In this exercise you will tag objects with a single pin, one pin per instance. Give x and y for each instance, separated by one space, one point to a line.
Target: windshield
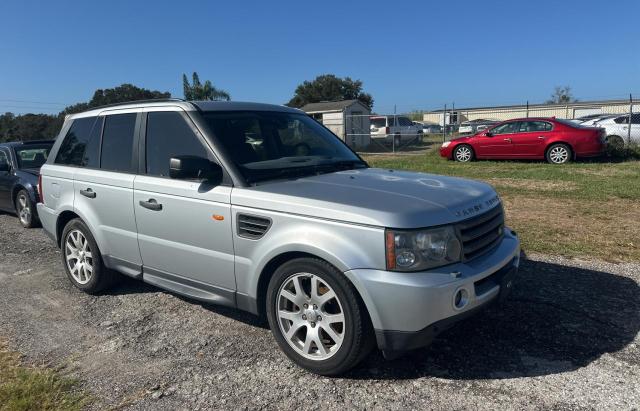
268 144
32 156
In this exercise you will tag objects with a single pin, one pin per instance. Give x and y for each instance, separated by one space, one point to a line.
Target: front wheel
317 318
463 153
558 154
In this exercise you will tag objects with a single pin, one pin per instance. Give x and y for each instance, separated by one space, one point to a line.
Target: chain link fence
416 131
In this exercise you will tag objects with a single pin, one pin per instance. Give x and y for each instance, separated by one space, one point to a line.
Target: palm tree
198 91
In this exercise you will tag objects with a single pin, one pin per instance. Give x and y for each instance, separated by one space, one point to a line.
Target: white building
348 119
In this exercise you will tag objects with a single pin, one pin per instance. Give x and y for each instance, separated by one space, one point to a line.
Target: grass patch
34 388
581 209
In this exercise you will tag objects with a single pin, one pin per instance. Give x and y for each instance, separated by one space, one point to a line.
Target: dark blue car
20 164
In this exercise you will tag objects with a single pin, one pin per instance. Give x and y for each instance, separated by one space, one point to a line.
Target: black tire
101 277
26 210
464 153
559 153
358 339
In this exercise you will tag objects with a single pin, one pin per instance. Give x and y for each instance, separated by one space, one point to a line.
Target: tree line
25 127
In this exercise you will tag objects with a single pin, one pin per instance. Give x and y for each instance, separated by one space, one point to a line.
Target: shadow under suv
260 207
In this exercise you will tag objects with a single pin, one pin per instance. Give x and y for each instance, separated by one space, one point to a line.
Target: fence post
527 108
395 123
444 124
629 121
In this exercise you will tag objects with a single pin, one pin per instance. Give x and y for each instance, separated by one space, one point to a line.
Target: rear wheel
558 154
317 318
26 210
615 142
82 259
463 153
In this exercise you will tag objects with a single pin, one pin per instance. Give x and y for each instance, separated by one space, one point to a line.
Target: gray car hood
377 197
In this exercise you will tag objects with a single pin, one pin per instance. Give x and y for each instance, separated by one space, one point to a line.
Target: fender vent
252 227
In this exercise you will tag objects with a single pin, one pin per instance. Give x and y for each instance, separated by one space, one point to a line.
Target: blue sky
411 54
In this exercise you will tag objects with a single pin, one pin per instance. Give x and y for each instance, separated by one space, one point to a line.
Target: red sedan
557 141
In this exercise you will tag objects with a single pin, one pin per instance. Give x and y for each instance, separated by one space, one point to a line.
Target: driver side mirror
195 168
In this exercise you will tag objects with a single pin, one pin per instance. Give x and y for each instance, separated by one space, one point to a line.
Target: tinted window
81 144
506 128
169 135
3 158
635 118
379 122
32 156
117 142
534 126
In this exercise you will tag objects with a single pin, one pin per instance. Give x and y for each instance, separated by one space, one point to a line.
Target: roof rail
153 100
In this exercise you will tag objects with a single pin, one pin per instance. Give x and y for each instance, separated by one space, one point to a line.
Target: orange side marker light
217 217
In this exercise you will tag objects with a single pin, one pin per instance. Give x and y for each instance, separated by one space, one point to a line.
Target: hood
376 197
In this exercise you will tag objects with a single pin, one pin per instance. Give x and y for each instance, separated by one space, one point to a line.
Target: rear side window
81 144
379 122
117 142
169 135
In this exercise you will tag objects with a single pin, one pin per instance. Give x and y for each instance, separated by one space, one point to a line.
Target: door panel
531 138
494 146
105 201
180 235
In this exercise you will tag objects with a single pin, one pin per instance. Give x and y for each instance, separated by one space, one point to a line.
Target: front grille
480 234
252 227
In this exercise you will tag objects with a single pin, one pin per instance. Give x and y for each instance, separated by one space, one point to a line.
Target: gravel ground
566 339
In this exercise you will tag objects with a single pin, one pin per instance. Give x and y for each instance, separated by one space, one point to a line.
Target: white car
473 126
617 129
394 129
592 122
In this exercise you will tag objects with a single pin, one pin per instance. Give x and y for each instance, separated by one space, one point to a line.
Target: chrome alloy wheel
79 257
463 154
559 155
310 316
24 209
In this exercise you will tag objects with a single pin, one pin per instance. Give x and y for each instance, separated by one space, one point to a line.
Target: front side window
81 144
635 118
117 142
33 156
169 135
506 128
268 144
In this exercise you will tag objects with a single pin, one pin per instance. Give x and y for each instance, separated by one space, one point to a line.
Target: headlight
418 250
446 144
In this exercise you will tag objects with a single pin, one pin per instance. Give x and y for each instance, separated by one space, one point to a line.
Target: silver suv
260 207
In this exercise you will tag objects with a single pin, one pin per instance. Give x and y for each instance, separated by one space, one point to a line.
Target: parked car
473 126
617 129
594 121
587 117
394 129
557 141
338 256
19 168
431 128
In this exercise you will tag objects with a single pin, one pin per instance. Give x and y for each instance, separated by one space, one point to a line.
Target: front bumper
408 309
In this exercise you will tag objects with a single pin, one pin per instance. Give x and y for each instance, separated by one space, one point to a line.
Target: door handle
541 137
89 193
507 139
152 204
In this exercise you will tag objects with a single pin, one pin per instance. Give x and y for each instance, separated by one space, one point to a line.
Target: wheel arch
61 223
269 269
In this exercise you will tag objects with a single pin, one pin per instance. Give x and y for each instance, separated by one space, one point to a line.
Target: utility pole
444 123
629 121
527 108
